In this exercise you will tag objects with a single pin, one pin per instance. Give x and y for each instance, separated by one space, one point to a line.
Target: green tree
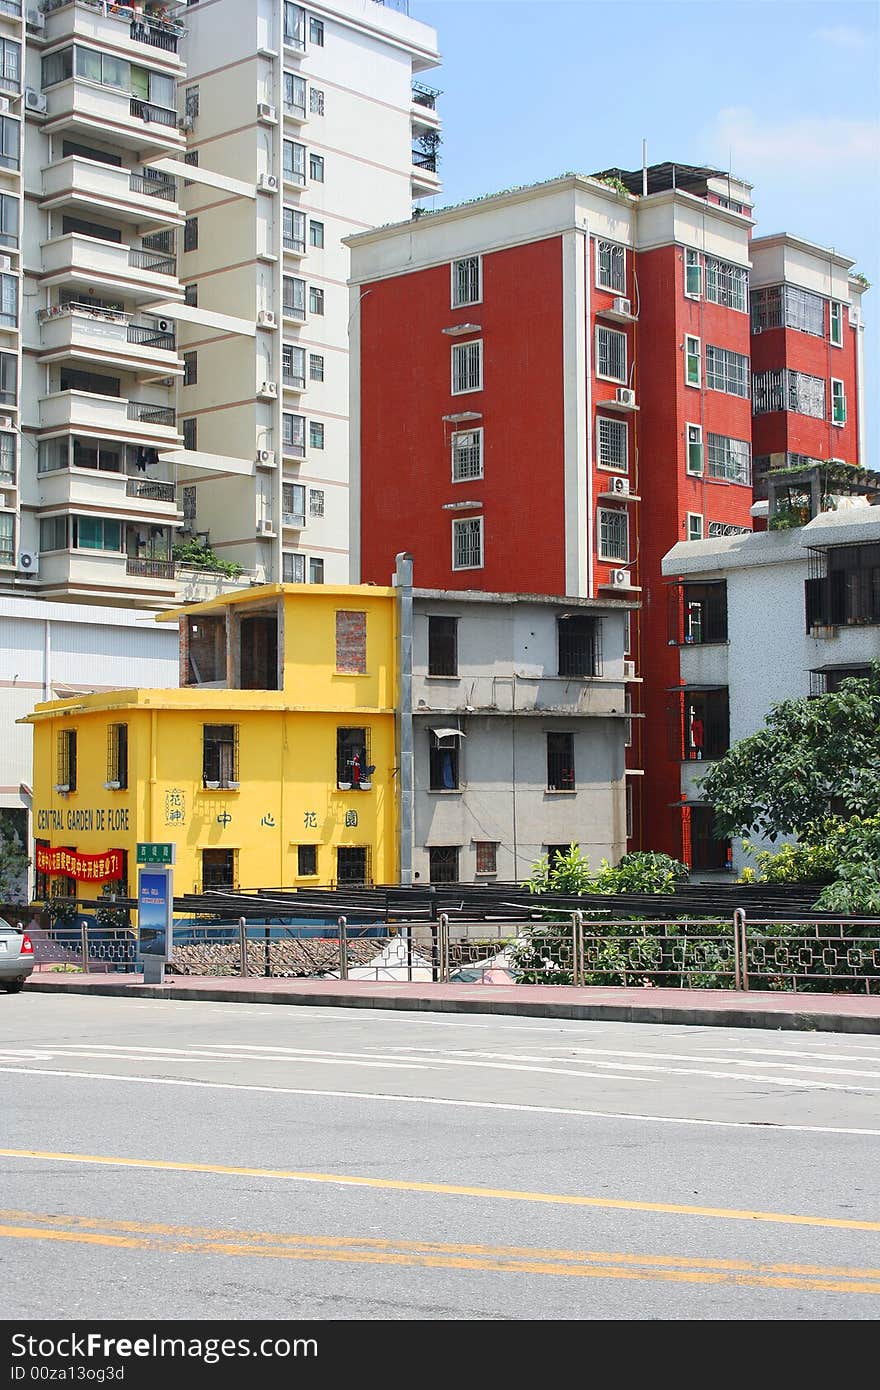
812 755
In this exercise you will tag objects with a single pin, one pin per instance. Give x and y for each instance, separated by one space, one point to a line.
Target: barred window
293 366
467 367
467 455
611 267
467 543
804 311
443 863
729 459
293 435
220 754
727 284
487 856
66 761
611 354
727 371
787 390
612 444
117 756
316 434
293 568
579 645
316 101
316 366
466 282
316 501
613 534
727 528
560 763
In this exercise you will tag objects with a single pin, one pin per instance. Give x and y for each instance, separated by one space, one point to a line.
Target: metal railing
152 260
422 160
149 569
151 414
150 490
147 112
150 337
153 187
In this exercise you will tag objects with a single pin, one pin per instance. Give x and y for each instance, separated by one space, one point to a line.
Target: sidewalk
831 1013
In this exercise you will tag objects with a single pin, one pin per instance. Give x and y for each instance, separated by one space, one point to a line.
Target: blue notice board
155 906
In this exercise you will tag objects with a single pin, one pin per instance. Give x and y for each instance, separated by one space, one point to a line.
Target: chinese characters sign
85 868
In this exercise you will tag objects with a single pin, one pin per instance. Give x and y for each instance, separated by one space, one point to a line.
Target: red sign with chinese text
85 868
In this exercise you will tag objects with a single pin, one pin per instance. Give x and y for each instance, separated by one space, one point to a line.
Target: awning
448 733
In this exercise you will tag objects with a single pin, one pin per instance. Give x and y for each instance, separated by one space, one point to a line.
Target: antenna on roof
644 168
673 178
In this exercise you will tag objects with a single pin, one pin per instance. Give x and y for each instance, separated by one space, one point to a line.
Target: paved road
169 1159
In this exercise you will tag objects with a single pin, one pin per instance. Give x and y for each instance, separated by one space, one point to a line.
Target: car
16 957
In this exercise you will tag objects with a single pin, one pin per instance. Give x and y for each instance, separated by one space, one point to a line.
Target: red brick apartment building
554 385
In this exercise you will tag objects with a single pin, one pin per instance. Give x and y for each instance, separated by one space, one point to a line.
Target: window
294 162
293 435
630 816
351 642
611 267
698 614
294 26
612 445
610 354
9 219
467 544
293 569
65 770
727 284
316 366
706 724
190 431
627 724
693 274
560 763
804 311
8 301
844 587
117 756
835 323
293 230
443 760
191 295
220 755
352 865
442 646
7 459
487 856
838 402
727 528
708 851
316 168
7 538
294 96
96 533
352 756
467 367
730 459
694 449
191 234
555 853
691 360
293 504
293 366
10 143
72 379
316 300
727 371
316 32
307 861
8 378
443 863
316 434
293 298
316 501
316 101
190 368
53 533
788 390
218 869
613 535
466 282
577 638
467 455
10 64
316 234
316 570
694 526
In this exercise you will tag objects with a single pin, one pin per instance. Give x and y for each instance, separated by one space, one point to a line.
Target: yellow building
273 765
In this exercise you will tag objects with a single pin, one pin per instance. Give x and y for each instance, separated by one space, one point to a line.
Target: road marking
568 1111
443 1189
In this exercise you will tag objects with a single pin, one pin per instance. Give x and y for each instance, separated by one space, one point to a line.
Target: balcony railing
150 337
151 414
12 7
149 29
149 490
425 96
153 187
421 160
86 311
148 113
153 261
150 569
293 382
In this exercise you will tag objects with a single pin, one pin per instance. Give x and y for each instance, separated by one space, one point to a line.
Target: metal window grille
698 613
443 863
726 528
294 162
727 371
316 367
190 368
190 433
467 455
768 392
699 725
316 101
806 394
307 860
579 645
828 680
316 168
611 354
611 260
560 763
293 435
804 311
442 646
219 868
316 501
191 234
467 544
293 568
220 753
613 534
612 443
316 434
354 865
486 856
766 308
117 754
188 506
316 300
729 459
467 367
466 281
352 755
727 284
66 759
293 366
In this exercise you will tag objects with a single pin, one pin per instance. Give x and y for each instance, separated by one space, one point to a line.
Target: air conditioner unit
34 100
758 328
28 562
266 456
269 389
266 319
625 395
265 528
7 422
629 670
267 183
621 579
620 486
5 262
265 111
35 19
186 122
5 104
623 306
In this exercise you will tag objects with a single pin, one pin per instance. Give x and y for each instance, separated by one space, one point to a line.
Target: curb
791 1020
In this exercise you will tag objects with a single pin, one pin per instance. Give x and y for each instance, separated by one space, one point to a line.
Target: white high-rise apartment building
315 104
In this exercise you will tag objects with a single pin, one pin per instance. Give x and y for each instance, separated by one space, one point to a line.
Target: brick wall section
351 642
184 652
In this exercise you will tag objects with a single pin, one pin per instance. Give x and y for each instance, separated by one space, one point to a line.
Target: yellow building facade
274 764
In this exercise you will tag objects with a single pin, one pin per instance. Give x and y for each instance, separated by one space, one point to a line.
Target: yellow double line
367 1250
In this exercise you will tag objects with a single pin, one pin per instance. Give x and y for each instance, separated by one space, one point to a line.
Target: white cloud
843 36
788 149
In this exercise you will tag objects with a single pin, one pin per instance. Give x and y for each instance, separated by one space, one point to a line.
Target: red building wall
787 431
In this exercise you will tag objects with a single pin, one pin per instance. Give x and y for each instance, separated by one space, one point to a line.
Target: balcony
423 176
95 572
88 188
111 416
293 521
89 334
144 38
134 274
114 494
423 112
97 112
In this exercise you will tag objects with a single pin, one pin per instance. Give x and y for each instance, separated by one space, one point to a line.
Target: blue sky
785 93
